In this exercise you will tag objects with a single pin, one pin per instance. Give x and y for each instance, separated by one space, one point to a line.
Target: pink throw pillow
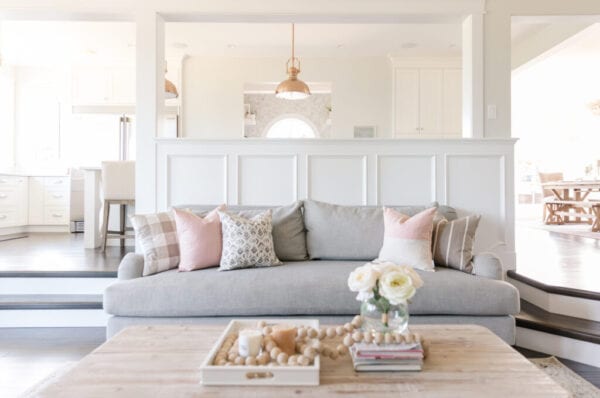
200 240
407 240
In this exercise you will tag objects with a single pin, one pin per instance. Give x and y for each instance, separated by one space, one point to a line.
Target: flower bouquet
385 290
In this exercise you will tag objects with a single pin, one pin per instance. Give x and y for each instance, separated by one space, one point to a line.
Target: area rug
576 385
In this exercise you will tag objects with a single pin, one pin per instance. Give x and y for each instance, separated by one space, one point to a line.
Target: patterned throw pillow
157 235
453 243
247 242
407 240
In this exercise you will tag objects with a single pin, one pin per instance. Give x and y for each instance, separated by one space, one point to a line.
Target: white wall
213 89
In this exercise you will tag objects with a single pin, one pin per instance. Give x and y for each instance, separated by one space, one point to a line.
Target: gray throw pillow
336 232
247 242
289 233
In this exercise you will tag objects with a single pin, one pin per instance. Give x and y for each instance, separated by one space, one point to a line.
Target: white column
497 77
472 76
150 103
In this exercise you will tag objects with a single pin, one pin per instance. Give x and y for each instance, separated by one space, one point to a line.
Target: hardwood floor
29 355
558 259
57 252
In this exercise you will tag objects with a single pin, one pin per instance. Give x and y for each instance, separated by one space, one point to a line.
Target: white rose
416 279
396 286
384 267
362 279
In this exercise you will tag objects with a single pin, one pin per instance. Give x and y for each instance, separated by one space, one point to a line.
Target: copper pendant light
292 88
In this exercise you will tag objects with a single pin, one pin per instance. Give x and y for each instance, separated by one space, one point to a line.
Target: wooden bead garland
309 344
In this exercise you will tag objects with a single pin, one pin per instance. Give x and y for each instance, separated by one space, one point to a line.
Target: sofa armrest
131 266
487 265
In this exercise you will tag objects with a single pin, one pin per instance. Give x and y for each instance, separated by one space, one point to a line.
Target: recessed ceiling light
409 45
179 45
89 51
231 46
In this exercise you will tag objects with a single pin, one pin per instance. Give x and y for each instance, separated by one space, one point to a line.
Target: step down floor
51 302
535 318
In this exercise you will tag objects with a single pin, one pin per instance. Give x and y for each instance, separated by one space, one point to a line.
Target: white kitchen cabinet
452 102
13 201
427 100
101 86
407 101
430 101
49 200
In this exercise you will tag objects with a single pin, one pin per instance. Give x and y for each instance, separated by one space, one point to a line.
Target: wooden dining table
575 194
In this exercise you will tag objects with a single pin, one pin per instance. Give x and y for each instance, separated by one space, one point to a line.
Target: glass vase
374 320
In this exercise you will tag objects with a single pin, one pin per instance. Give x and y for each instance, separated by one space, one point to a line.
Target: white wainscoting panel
197 179
267 179
338 179
486 197
472 175
405 180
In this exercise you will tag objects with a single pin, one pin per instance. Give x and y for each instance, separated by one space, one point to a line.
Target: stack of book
387 357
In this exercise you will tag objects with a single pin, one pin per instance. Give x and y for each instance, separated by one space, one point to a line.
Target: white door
430 101
406 101
452 103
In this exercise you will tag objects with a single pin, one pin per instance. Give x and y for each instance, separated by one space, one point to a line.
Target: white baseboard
35 229
564 347
52 318
576 307
28 285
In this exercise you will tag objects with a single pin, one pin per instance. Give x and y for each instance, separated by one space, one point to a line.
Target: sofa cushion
297 288
337 232
289 235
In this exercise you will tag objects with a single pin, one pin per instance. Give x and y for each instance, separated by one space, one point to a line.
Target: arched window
290 126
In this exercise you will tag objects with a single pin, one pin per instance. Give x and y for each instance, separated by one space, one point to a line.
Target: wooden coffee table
157 361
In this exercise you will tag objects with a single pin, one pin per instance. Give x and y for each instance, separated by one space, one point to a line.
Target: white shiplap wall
473 175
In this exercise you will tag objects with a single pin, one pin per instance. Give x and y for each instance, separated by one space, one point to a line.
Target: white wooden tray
259 375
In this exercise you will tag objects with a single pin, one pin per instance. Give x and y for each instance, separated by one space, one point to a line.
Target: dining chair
547 194
118 188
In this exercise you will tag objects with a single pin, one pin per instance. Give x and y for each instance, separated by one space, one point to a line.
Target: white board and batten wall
472 175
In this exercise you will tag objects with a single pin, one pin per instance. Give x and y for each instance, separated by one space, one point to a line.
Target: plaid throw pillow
157 235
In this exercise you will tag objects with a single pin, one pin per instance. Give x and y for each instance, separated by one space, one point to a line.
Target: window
290 127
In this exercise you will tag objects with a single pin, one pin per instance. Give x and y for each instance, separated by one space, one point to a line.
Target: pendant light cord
293 44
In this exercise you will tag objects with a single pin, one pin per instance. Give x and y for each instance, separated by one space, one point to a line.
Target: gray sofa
320 245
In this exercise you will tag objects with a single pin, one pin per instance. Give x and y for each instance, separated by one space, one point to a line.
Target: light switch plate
491 111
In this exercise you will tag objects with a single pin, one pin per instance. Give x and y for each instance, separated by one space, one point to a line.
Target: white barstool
118 188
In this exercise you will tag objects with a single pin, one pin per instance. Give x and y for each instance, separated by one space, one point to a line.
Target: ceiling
68 42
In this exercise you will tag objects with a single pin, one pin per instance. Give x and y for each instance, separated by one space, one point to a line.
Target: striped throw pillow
157 235
453 243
